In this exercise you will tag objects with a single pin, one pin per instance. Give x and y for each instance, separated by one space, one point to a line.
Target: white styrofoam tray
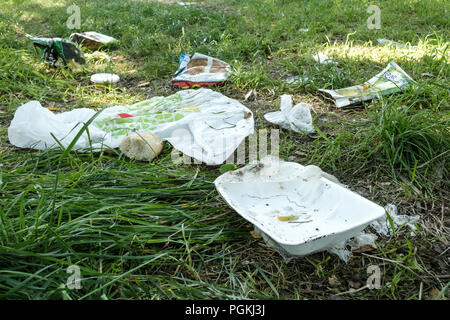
327 212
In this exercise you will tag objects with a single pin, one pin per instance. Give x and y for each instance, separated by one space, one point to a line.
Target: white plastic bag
203 124
387 42
324 59
384 228
297 118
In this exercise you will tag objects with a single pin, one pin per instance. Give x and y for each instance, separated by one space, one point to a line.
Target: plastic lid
105 78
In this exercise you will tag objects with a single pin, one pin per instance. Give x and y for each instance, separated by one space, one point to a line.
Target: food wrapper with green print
392 79
202 124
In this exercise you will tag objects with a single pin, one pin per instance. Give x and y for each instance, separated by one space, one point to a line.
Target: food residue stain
287 218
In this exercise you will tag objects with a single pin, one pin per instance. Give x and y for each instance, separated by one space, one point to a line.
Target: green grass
159 230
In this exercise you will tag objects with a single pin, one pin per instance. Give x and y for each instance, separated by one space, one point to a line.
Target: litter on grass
104 78
57 51
297 80
392 79
92 40
250 93
184 4
383 227
144 146
297 118
202 124
298 209
391 43
200 70
345 248
324 59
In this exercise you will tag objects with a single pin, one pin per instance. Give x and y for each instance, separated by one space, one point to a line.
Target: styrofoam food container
327 212
104 78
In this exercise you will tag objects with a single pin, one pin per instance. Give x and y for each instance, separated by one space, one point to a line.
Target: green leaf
391 222
74 141
227 167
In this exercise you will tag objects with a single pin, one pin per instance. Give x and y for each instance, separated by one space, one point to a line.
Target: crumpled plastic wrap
383 227
324 59
297 118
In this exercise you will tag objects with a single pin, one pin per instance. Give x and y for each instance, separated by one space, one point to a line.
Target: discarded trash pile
66 49
65 52
203 124
395 44
297 210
